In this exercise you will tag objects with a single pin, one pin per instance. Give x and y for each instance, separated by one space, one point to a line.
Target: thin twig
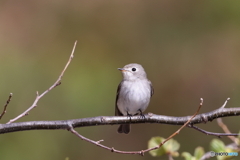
223 126
57 83
170 157
224 104
97 143
226 130
5 106
213 133
178 131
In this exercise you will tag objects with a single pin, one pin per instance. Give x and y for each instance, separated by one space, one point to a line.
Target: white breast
134 96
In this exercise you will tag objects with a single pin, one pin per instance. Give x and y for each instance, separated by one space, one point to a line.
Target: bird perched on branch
133 93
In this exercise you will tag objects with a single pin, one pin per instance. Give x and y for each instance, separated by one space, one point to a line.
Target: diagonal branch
5 106
97 143
178 131
224 127
227 131
57 83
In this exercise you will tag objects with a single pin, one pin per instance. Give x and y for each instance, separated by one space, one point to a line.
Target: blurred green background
190 50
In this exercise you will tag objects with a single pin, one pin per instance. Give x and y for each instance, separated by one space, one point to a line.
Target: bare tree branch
218 120
224 127
113 120
213 133
5 106
226 130
57 83
177 132
97 143
230 135
225 103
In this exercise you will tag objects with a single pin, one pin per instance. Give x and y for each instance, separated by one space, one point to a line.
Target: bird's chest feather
135 91
134 96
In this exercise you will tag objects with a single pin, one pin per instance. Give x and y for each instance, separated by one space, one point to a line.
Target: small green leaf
187 156
153 142
199 152
170 147
217 145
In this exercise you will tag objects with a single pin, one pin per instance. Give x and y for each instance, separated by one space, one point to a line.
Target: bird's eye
134 69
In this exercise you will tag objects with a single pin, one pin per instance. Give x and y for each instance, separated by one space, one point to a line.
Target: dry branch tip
5 106
58 82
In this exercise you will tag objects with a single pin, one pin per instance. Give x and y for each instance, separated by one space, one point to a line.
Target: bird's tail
124 128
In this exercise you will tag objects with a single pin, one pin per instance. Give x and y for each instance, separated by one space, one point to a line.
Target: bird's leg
129 115
141 114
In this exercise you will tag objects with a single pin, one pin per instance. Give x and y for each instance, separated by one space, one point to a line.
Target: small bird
133 93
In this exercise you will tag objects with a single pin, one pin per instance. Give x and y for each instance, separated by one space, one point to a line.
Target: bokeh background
190 50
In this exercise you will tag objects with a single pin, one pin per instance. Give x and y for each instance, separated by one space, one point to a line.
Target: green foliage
218 146
170 147
198 153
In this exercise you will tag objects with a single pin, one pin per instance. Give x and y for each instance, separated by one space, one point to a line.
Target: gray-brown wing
152 89
117 112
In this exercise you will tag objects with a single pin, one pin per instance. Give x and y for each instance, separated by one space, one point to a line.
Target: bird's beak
121 69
